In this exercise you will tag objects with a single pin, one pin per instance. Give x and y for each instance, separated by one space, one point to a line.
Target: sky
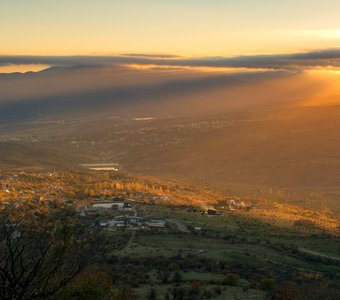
192 28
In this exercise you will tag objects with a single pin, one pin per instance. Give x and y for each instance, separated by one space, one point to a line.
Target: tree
123 292
289 291
94 284
36 261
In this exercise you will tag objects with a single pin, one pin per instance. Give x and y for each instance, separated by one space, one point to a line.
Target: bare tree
36 260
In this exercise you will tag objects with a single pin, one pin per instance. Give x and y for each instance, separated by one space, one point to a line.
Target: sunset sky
183 27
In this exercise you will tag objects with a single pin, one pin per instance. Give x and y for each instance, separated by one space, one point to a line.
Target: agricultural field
213 246
290 216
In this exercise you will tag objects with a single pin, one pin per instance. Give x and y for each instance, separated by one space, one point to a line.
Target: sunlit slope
34 156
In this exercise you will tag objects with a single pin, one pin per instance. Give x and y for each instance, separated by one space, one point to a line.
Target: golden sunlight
332 34
7 69
329 93
197 69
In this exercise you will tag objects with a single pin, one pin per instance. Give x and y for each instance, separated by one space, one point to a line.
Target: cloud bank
293 61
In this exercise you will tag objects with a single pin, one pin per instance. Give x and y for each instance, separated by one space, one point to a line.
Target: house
241 204
136 221
211 212
108 205
81 208
82 215
103 223
127 206
116 223
156 223
92 211
232 202
104 205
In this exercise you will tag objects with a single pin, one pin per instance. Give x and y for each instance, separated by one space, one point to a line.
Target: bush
267 284
218 290
152 294
123 292
231 279
195 287
253 284
177 277
304 223
289 291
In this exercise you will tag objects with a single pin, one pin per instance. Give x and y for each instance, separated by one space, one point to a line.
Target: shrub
267 284
231 279
152 294
177 277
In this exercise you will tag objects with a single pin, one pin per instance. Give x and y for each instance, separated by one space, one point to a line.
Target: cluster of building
132 222
229 204
233 204
99 208
127 219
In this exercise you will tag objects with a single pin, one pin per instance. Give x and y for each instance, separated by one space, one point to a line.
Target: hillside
18 155
168 240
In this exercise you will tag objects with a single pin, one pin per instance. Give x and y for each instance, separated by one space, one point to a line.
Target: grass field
230 243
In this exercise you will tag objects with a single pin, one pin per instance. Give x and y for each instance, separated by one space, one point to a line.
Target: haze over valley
268 133
176 150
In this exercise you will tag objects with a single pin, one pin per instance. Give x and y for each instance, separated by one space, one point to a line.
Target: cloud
293 61
147 55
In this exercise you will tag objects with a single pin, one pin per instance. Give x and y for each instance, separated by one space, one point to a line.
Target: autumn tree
36 261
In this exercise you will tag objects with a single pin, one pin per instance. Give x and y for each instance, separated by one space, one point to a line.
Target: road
318 254
133 234
180 226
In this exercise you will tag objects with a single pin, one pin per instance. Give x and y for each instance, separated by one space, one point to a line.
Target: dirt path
131 239
180 226
318 254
